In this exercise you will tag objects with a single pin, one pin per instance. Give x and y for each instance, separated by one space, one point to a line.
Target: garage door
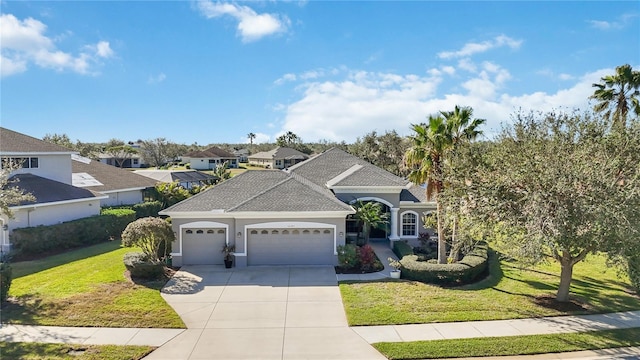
202 246
290 247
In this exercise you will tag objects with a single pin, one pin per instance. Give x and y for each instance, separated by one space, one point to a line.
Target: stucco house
209 159
293 217
46 174
135 161
278 158
242 155
185 178
122 187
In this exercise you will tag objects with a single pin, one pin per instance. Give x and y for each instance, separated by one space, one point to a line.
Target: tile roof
46 190
263 190
337 167
111 178
12 142
280 153
212 152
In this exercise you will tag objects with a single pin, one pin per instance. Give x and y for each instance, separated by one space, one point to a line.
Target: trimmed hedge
145 209
5 280
140 267
402 249
92 230
466 271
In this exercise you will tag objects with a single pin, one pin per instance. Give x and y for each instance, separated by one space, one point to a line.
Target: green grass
85 287
510 346
509 293
38 351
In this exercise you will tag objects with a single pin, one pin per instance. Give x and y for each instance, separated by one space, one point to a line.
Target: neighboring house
46 174
294 217
242 155
123 187
278 158
186 178
134 162
209 159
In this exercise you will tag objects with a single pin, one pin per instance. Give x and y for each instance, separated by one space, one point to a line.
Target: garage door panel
203 246
290 247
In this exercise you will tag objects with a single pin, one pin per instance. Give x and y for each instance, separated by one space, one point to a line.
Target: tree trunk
566 273
442 244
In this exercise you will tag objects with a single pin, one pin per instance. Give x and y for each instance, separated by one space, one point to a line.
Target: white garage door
203 246
290 247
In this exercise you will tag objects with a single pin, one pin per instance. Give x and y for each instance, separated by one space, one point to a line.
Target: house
278 158
294 217
209 159
133 161
242 155
46 173
122 187
186 178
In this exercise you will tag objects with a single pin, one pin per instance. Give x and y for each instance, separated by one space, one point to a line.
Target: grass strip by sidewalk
38 351
511 345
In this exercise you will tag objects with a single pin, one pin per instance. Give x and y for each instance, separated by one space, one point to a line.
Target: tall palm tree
371 216
430 145
251 136
618 93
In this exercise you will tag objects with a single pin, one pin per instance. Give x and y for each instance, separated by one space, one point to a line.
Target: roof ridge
317 188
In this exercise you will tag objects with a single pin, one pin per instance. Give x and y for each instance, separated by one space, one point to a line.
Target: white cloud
620 23
363 101
157 79
468 65
552 75
474 48
23 42
260 138
251 25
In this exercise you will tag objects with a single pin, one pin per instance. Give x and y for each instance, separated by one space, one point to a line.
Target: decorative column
394 227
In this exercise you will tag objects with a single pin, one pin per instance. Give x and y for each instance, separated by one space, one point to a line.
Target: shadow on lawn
21 310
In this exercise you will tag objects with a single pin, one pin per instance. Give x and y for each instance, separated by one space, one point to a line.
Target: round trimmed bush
140 267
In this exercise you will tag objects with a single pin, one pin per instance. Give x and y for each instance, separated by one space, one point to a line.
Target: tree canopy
10 193
617 95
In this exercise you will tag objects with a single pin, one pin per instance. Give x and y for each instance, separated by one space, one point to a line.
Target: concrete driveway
260 313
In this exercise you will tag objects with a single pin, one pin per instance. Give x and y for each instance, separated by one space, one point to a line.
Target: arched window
221 231
316 231
327 232
285 232
295 232
306 231
409 224
254 232
189 231
200 231
274 232
210 231
264 232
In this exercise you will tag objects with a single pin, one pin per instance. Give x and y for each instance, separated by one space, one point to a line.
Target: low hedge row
145 209
463 272
140 267
402 249
36 240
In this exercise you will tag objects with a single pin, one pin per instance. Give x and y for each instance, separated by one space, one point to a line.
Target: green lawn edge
37 351
511 345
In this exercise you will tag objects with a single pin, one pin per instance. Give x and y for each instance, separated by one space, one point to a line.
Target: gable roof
212 152
48 191
280 153
336 167
12 142
262 190
109 178
168 176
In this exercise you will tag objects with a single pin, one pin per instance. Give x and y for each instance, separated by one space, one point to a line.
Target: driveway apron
260 313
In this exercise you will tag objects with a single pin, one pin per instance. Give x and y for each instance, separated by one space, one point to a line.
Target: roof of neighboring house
168 176
94 175
336 167
280 153
212 152
263 190
12 142
47 190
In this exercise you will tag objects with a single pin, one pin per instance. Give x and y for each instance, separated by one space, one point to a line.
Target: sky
212 72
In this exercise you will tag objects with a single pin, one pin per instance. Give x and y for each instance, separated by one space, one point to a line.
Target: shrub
5 280
139 266
633 267
402 249
348 256
41 239
367 257
151 234
466 271
145 209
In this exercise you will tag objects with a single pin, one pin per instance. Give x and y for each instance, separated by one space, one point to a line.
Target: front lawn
85 287
510 346
38 351
509 293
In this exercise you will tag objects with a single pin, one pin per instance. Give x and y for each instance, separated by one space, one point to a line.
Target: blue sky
211 72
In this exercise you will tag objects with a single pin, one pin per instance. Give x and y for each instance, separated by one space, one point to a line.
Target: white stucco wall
122 198
54 167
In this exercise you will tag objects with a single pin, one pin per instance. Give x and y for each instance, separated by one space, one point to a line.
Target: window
409 224
34 163
24 163
278 162
135 161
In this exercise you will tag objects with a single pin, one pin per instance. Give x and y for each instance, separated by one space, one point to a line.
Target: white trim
203 225
290 225
343 175
416 224
3 235
372 198
32 153
122 190
214 214
394 224
417 204
368 189
34 206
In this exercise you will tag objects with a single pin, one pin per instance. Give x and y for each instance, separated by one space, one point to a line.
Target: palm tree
430 145
251 136
618 93
371 215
